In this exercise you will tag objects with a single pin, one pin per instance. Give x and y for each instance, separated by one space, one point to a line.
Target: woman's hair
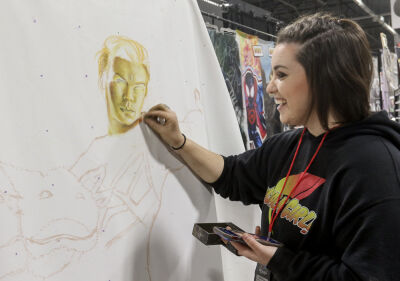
336 57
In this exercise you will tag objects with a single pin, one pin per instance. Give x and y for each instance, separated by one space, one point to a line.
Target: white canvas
79 204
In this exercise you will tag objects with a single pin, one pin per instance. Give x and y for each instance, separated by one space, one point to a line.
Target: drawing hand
164 122
254 250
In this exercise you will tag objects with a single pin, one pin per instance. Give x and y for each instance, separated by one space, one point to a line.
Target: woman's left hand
254 250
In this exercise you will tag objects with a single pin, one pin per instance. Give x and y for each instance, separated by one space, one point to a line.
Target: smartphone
234 235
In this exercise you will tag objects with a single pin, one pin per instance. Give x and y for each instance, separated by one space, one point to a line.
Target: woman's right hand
164 122
204 163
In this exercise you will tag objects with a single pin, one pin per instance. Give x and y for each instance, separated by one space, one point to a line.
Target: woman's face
289 85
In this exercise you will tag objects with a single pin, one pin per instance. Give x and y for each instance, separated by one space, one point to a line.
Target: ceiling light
212 3
388 27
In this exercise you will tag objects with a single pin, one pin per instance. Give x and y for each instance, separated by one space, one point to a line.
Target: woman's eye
280 74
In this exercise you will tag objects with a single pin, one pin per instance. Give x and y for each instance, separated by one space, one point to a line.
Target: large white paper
78 203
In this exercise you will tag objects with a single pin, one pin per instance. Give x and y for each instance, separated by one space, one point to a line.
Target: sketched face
127 91
56 209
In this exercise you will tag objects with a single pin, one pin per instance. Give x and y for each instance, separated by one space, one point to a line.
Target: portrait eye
139 88
118 79
45 194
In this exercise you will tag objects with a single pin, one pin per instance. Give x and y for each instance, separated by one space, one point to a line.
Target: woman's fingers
252 243
157 113
152 123
158 118
164 122
160 106
244 250
262 253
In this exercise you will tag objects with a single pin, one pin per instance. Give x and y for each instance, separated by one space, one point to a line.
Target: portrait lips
127 108
128 111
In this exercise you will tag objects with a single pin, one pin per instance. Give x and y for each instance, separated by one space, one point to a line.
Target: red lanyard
275 213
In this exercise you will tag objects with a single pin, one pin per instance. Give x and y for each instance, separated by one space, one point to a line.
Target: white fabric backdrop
77 204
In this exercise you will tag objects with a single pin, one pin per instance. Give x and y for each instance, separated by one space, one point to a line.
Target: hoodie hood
377 124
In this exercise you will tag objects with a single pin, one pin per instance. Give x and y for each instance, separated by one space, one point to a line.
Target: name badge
262 273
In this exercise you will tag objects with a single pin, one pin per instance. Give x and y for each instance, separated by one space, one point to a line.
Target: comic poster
252 88
227 53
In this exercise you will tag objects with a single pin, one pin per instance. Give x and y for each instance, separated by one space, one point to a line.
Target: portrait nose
130 93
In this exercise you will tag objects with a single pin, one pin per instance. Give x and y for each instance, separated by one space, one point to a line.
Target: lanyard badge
262 273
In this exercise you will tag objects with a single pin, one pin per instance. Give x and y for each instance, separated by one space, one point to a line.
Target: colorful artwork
252 89
227 53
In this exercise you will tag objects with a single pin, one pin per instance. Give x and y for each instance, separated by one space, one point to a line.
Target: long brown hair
336 56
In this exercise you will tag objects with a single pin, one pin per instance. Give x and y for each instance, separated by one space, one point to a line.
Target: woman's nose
271 87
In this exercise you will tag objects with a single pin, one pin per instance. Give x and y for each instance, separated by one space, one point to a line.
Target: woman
336 181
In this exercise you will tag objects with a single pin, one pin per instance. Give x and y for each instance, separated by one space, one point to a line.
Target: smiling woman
289 86
330 192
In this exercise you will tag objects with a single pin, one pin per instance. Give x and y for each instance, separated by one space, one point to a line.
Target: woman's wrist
180 143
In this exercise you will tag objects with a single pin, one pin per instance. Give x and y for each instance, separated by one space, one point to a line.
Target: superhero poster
252 88
227 52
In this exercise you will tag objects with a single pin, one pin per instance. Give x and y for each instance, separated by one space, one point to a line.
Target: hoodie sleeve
239 180
365 204
245 176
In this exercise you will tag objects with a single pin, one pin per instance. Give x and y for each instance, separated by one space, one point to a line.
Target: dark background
270 15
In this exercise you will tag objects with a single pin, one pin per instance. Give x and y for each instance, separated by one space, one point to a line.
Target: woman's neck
315 127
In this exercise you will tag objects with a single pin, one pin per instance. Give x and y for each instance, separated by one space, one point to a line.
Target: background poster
389 76
374 97
79 203
227 52
252 88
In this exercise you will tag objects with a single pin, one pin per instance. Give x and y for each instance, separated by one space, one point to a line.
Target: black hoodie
342 222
